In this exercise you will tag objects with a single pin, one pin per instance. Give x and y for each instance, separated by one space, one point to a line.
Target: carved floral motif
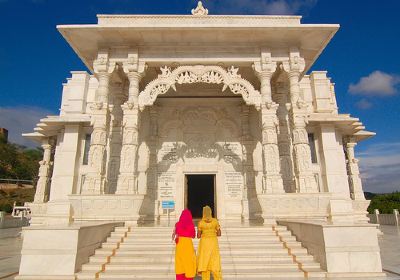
199 74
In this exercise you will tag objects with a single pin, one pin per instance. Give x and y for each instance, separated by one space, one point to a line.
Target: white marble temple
229 97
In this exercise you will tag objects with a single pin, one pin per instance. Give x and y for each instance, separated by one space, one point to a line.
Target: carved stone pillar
248 169
127 179
94 182
115 138
285 143
272 177
152 182
305 180
46 165
353 171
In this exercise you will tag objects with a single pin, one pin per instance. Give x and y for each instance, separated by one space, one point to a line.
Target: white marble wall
201 139
193 136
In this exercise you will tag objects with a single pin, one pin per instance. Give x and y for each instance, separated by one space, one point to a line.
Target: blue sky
362 59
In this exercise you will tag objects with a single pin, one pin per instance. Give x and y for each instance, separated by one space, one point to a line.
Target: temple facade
191 110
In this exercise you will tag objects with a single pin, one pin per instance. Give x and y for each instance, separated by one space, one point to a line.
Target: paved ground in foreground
11 242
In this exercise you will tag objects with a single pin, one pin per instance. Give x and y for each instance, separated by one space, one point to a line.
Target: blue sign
168 204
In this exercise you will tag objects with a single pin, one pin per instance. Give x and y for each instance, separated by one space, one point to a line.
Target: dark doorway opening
200 192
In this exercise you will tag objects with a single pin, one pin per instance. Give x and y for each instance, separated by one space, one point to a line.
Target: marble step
222 246
227 274
149 235
167 258
246 253
124 248
155 239
163 267
242 252
224 259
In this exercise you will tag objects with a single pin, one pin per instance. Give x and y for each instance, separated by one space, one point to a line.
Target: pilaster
353 171
272 177
100 113
305 181
127 179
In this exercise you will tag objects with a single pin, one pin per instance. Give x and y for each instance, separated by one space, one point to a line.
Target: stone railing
11 222
385 219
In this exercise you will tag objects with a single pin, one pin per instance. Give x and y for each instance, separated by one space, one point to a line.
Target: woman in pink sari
185 256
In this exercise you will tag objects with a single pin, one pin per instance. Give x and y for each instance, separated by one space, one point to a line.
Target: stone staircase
246 253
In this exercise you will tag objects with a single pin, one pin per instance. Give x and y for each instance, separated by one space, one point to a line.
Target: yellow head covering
207 213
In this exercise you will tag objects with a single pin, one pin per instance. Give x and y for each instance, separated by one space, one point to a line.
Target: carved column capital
46 146
135 70
102 90
102 63
264 69
295 65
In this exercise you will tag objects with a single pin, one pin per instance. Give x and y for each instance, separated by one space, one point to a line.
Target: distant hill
370 195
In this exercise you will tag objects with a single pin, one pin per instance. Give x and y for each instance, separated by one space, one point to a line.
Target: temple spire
200 10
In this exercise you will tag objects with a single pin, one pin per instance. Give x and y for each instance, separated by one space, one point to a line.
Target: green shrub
385 203
6 208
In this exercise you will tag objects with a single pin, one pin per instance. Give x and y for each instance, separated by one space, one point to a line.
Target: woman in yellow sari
208 258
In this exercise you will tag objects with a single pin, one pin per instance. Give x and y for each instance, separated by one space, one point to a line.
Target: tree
17 162
385 203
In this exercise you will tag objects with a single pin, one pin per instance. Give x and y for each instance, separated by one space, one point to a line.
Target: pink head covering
185 227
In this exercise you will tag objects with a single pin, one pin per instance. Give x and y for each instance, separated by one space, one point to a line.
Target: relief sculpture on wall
199 133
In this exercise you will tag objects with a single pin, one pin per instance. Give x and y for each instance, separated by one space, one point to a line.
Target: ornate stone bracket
199 74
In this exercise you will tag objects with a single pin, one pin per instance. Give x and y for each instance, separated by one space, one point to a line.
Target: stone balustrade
385 219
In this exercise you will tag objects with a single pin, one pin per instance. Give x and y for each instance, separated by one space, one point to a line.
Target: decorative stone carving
199 74
285 142
305 180
94 182
353 171
45 170
294 67
200 10
272 182
103 68
272 179
127 180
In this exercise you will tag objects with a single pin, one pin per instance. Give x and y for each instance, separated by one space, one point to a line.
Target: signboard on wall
166 185
234 184
168 204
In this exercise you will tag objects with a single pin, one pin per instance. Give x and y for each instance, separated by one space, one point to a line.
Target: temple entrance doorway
200 191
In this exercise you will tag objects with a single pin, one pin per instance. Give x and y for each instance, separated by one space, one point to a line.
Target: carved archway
199 74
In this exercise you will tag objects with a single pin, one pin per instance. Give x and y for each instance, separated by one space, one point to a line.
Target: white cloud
364 104
378 83
270 7
380 167
20 120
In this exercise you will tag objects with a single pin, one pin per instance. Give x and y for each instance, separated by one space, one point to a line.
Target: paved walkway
390 249
10 249
11 242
